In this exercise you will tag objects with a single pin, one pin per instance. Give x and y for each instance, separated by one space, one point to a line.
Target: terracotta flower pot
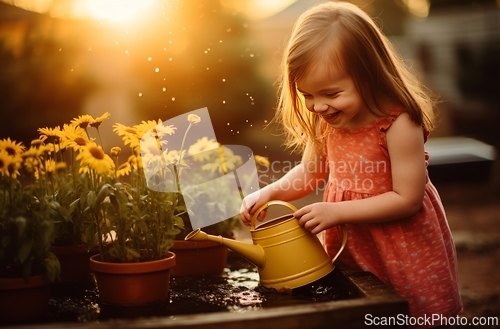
198 257
22 301
75 265
133 284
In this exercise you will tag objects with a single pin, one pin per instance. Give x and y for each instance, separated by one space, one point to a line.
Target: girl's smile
333 95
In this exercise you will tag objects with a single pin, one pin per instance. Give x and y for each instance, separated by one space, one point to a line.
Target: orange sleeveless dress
415 255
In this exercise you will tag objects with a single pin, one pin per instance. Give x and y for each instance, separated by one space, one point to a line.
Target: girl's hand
317 217
250 204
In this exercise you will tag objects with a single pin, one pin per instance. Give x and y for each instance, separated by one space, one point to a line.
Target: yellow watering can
286 254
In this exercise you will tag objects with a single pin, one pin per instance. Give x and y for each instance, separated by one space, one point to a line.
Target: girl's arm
296 183
405 142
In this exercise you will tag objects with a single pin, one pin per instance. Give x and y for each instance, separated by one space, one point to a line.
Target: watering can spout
253 253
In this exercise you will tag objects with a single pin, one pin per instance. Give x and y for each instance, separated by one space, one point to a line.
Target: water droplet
252 103
157 69
220 41
90 48
246 120
265 121
150 59
164 89
223 80
126 52
228 123
251 55
223 102
170 59
140 94
173 99
228 29
208 68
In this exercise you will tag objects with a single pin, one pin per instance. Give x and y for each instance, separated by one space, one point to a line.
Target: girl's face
332 94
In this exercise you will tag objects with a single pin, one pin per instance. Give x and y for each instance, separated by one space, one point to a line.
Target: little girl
361 118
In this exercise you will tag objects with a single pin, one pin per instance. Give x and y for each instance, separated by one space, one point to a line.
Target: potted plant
64 180
27 266
206 257
131 225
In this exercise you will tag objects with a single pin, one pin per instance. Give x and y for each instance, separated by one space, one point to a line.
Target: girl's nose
320 107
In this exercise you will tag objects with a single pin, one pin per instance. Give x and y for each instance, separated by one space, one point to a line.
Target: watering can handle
266 205
343 228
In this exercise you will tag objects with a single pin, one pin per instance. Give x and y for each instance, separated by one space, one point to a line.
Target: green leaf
21 225
105 191
132 252
91 199
73 205
24 250
52 267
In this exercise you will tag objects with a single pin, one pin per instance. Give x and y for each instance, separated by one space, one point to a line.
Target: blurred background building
155 59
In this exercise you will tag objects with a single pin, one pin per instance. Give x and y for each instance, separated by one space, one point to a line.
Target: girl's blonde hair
345 37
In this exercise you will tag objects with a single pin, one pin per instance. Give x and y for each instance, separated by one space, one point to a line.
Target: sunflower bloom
161 130
94 157
4 163
199 150
97 121
69 134
12 148
129 135
53 133
123 170
83 121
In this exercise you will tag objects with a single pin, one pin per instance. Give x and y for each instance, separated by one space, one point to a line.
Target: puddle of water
237 289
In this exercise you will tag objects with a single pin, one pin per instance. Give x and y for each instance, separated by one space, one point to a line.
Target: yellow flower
129 135
4 163
97 121
123 170
36 142
135 162
50 166
54 133
82 121
61 167
70 135
226 162
115 151
12 148
262 161
14 165
94 157
199 149
193 119
32 160
161 130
